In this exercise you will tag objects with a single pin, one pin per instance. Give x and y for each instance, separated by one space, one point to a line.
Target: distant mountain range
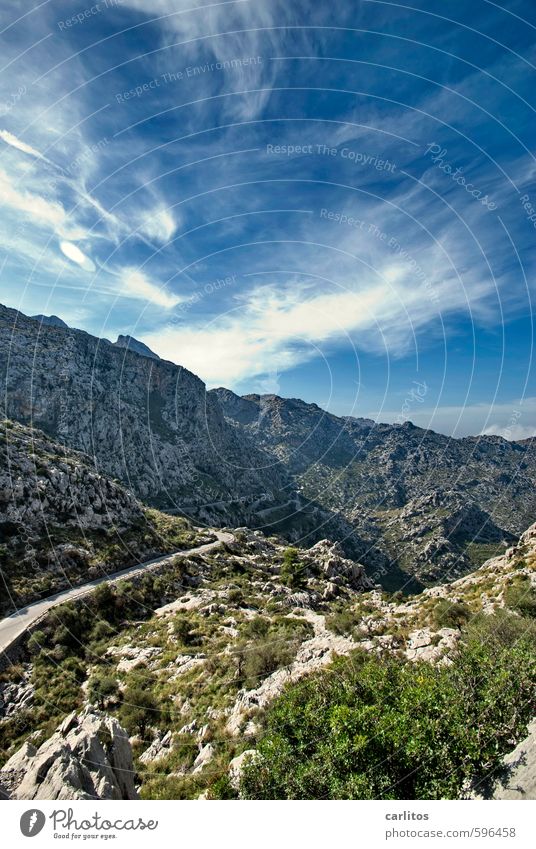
411 504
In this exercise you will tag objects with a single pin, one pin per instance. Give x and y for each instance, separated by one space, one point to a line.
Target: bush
37 642
343 622
102 630
101 688
257 627
383 728
139 709
520 596
235 596
448 614
183 630
271 646
292 573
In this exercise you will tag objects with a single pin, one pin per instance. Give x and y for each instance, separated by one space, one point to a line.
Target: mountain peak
136 346
50 320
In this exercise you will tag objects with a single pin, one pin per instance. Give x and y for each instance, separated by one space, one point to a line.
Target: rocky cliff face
88 757
147 422
433 506
62 522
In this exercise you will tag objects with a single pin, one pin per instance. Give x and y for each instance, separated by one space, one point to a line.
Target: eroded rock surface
88 757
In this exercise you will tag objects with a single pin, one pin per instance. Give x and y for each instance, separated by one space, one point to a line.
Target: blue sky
326 201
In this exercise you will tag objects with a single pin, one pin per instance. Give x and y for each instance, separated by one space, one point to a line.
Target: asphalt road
13 626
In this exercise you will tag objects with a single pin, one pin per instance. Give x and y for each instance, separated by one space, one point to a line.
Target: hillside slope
63 523
196 663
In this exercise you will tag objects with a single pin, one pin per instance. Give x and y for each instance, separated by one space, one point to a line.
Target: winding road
13 626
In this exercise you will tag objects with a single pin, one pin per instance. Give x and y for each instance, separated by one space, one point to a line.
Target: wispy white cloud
245 28
41 210
12 140
158 225
135 284
276 328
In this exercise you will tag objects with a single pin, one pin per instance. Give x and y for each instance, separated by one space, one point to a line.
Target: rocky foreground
88 757
249 620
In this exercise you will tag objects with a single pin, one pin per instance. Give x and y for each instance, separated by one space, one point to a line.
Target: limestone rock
237 765
88 757
16 696
204 757
158 749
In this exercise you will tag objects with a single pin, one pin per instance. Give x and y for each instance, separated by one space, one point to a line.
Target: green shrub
343 622
101 688
270 646
102 630
257 627
448 614
383 728
235 596
292 573
520 596
183 630
139 709
36 642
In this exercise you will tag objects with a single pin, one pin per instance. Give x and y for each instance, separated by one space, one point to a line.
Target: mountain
62 523
146 422
136 346
415 507
50 320
433 505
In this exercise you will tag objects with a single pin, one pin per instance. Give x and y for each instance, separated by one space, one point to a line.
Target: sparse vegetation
139 708
101 688
267 646
520 595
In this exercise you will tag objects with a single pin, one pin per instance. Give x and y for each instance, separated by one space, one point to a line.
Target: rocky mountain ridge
414 506
434 505
146 422
63 523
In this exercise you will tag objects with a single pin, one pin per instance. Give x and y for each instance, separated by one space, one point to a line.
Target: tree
101 688
139 709
292 573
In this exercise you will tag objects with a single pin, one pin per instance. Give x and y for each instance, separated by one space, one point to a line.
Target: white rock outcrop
517 778
237 765
88 757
